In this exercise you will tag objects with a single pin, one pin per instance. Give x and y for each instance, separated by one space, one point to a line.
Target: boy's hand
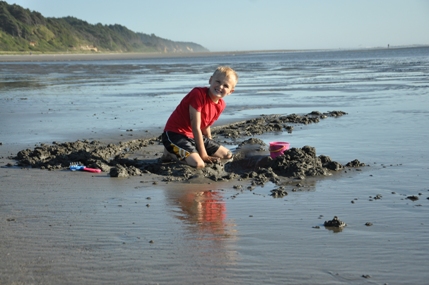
211 159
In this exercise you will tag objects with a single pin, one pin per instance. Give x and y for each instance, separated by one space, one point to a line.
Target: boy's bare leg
194 160
223 153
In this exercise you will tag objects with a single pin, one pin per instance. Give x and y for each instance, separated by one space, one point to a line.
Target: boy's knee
228 154
195 160
200 165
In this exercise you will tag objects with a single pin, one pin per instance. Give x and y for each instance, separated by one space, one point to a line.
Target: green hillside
22 30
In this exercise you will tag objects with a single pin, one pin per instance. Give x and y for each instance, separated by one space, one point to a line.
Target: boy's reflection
206 210
209 234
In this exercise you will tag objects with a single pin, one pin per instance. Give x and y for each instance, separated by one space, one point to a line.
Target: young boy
187 136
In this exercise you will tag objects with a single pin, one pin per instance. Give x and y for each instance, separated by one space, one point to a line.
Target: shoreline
47 57
113 56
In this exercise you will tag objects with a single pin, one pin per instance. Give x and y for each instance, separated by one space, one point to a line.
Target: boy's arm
207 132
198 134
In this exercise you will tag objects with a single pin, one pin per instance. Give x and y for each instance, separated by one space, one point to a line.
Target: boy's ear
210 80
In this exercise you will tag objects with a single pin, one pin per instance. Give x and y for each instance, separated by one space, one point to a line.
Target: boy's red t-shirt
199 99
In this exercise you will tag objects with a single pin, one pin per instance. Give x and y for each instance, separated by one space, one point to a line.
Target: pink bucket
278 148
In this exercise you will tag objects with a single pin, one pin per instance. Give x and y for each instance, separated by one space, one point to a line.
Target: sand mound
137 157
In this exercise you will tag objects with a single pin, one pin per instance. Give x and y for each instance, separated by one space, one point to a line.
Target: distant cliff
26 31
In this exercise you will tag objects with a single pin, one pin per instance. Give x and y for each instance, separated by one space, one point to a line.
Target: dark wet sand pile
251 162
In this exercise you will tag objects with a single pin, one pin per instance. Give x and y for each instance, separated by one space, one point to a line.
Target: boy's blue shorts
182 146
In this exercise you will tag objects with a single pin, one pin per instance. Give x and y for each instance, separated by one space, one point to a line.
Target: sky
248 25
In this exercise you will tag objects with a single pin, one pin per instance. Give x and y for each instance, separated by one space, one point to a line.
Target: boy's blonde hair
228 71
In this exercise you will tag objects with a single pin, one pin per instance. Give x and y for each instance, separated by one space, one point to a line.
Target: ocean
259 239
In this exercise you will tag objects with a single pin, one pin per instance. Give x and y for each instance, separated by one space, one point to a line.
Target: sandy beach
90 56
46 57
250 221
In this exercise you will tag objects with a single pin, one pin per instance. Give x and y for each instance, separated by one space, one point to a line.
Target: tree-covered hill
22 30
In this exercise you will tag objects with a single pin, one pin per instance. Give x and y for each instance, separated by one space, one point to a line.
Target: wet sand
177 226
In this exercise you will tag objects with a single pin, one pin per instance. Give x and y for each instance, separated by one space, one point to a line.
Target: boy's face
220 86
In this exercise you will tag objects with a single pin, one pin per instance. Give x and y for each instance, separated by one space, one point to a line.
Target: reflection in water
209 236
205 212
335 229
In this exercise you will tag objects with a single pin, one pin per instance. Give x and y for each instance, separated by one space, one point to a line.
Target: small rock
413 198
335 223
278 193
355 163
119 171
378 197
